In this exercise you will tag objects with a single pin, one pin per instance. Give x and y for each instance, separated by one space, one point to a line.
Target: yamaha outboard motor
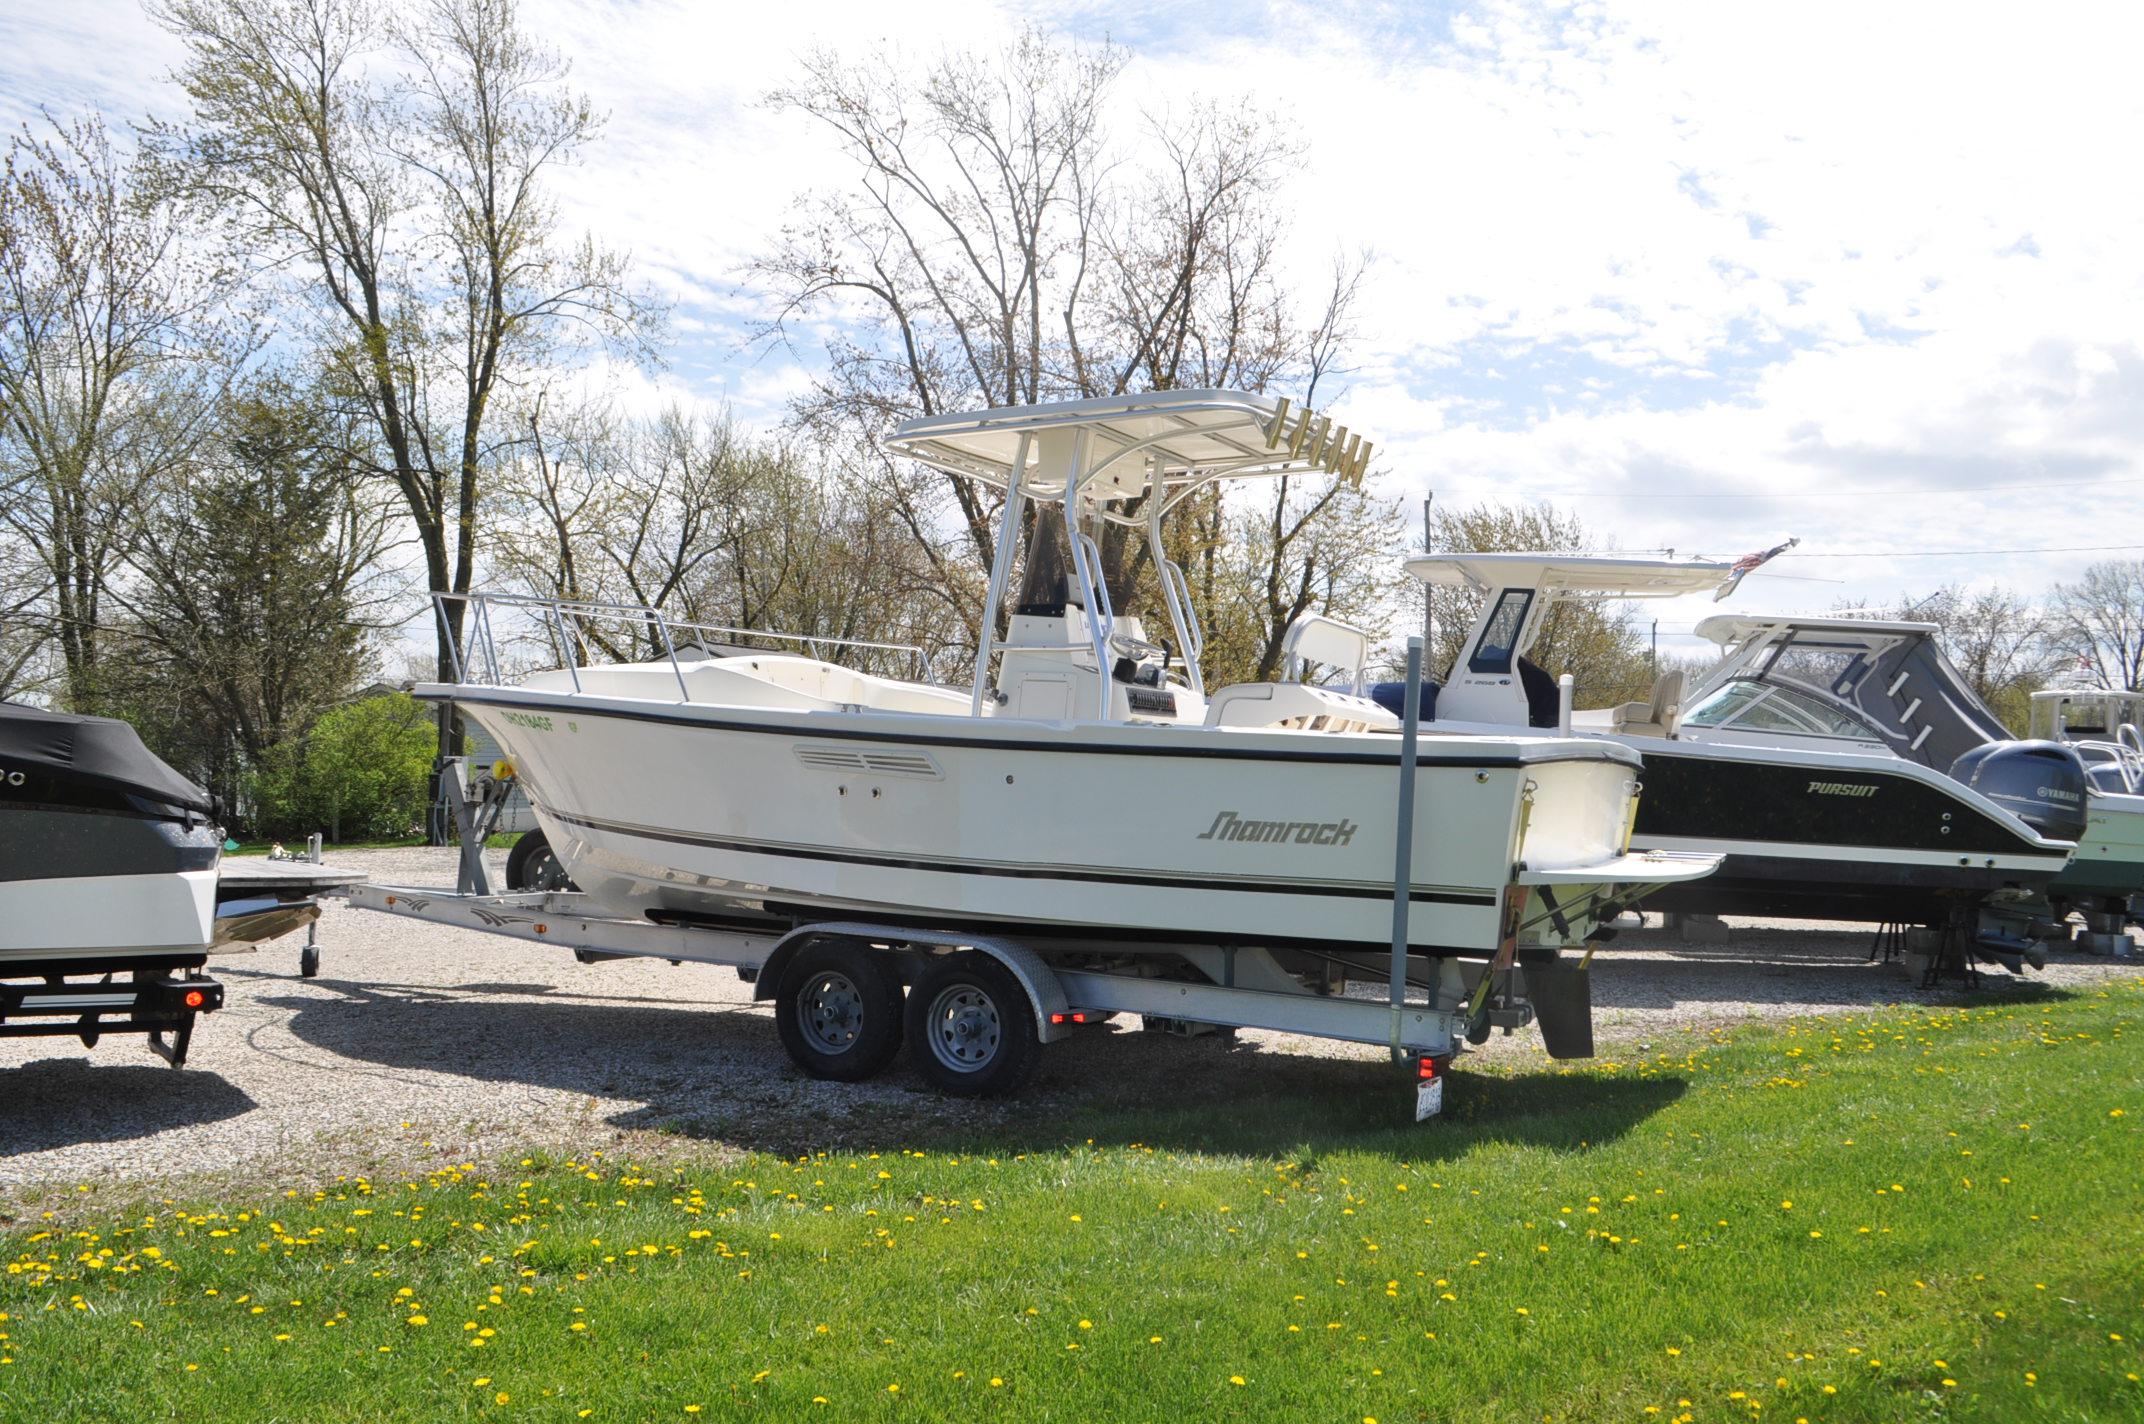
2042 783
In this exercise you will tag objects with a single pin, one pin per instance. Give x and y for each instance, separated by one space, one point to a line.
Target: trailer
975 1011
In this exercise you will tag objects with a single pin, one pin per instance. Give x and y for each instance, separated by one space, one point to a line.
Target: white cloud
1623 248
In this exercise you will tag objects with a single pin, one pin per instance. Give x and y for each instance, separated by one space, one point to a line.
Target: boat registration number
1428 1098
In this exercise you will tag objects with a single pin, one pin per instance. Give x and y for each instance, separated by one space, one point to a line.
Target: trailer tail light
1073 1018
176 994
1425 1068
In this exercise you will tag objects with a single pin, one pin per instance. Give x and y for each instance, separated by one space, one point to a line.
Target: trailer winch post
1403 840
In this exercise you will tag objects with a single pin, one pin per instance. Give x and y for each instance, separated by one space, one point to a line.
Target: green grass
1909 1215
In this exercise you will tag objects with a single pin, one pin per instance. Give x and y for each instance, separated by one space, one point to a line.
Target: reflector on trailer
195 998
1425 1068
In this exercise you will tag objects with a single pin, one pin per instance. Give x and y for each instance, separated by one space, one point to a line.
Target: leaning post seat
1656 716
1296 705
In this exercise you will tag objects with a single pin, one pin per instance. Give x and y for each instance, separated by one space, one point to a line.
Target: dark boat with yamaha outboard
1818 815
1892 679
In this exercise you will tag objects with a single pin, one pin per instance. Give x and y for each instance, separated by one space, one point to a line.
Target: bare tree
24 635
1001 245
2099 622
114 344
686 512
394 162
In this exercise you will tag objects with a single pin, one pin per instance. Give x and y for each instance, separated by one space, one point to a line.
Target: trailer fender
1045 993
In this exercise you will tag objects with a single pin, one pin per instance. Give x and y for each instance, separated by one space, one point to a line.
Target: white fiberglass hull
106 916
2110 855
1127 833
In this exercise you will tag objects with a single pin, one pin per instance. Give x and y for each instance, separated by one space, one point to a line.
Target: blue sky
1868 274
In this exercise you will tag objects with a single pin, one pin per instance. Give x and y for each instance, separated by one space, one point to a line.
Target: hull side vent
882 763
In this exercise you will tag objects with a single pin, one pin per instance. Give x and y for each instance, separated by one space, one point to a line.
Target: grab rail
473 652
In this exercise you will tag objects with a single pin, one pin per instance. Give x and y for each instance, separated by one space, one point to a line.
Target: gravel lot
420 1045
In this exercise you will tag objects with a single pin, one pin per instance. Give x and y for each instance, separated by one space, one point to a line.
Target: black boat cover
93 751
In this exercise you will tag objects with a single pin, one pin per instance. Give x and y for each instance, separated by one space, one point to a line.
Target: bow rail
570 627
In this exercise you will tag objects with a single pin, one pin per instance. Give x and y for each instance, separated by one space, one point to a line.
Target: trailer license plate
1428 1098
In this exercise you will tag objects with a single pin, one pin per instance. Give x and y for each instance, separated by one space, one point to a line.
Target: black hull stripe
924 739
1018 872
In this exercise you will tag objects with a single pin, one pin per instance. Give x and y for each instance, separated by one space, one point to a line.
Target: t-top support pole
1000 571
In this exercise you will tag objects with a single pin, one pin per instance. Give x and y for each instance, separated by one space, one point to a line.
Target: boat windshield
1745 705
1830 668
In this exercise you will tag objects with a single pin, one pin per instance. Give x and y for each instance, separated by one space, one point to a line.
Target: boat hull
2110 855
1120 834
1859 839
80 882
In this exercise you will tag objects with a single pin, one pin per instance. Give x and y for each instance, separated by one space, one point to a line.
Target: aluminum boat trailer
979 1007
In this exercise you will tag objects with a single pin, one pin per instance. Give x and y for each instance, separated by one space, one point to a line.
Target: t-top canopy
1603 575
95 751
1725 628
1117 443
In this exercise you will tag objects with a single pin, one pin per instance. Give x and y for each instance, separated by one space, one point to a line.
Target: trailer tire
838 1011
533 865
971 1029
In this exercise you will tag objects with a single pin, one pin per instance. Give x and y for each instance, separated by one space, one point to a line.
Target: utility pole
1656 650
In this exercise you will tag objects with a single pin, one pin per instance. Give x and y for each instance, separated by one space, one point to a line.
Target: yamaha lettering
1228 826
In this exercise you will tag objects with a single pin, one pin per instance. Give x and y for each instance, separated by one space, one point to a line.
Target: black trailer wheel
839 1011
533 865
309 962
971 1030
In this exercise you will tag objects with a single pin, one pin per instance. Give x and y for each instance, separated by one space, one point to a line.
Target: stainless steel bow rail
565 625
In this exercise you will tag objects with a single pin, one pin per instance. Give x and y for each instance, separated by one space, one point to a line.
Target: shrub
359 774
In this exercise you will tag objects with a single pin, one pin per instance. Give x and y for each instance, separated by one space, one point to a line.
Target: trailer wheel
971 1030
839 1011
533 865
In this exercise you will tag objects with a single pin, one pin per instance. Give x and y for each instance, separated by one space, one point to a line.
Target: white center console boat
1087 794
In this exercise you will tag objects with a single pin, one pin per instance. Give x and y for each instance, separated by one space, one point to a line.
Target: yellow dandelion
502 1397
1232 1379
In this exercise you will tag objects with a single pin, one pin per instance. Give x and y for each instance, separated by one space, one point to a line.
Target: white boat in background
1087 791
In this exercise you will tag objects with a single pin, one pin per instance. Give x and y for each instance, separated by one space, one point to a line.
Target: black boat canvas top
1890 674
101 752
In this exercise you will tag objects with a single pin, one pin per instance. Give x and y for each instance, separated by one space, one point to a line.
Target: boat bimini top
1090 458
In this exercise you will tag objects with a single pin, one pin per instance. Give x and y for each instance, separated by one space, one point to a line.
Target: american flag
1750 561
